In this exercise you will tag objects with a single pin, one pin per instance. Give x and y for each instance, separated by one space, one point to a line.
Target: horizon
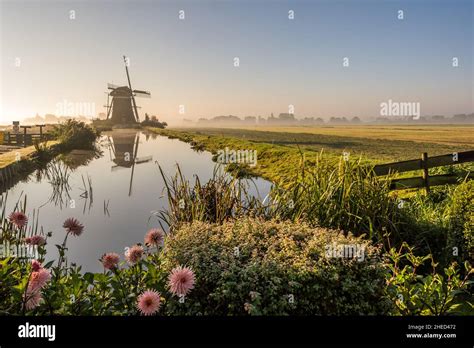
57 56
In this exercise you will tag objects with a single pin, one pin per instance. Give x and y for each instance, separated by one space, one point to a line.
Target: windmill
124 149
123 108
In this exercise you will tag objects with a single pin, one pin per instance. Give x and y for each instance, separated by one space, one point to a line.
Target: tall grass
222 198
345 195
16 235
337 194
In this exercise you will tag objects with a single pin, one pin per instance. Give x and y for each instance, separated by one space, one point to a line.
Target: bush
461 220
257 267
428 294
75 135
442 223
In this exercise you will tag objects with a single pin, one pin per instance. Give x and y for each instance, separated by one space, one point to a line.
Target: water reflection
57 174
123 147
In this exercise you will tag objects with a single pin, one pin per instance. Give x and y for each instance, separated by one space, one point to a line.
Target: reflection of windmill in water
124 150
123 109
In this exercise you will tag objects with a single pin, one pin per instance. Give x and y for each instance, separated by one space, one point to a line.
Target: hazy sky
48 58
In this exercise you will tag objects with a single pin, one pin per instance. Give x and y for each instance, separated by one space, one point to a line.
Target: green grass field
379 144
280 149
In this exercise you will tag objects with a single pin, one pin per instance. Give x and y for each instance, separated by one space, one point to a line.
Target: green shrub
442 223
257 267
75 135
420 293
461 220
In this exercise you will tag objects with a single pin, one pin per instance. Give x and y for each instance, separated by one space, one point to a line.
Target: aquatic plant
221 198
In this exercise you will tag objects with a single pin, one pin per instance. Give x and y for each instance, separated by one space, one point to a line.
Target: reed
222 198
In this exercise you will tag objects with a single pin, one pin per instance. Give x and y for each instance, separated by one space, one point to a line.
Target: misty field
280 149
458 135
375 142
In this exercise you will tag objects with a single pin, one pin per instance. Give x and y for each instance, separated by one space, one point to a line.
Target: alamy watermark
22 251
67 108
227 156
393 108
346 251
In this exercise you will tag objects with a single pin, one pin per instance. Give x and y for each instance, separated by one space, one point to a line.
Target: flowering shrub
261 267
137 285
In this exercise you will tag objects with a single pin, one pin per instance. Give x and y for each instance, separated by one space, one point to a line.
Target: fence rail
20 139
432 162
424 163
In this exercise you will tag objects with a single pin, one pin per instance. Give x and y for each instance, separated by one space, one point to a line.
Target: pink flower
248 307
110 260
181 280
134 254
155 237
39 279
149 302
36 265
73 226
18 218
35 240
33 298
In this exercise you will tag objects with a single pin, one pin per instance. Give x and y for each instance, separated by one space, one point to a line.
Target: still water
126 191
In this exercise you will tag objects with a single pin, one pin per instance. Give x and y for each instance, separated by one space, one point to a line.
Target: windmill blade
109 106
134 104
112 86
139 93
114 168
142 95
143 159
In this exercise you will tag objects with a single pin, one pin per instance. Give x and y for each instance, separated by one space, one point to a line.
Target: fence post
424 166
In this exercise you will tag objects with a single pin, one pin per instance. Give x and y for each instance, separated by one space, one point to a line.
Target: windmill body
122 110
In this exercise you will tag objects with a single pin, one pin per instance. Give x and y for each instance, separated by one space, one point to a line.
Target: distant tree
286 117
153 122
355 120
250 119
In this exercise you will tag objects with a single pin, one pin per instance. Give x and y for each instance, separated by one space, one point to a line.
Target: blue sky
282 62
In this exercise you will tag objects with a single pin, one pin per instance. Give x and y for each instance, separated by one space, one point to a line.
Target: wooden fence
22 138
424 163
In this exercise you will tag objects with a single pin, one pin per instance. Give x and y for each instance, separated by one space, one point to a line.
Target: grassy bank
68 136
280 153
25 153
276 162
